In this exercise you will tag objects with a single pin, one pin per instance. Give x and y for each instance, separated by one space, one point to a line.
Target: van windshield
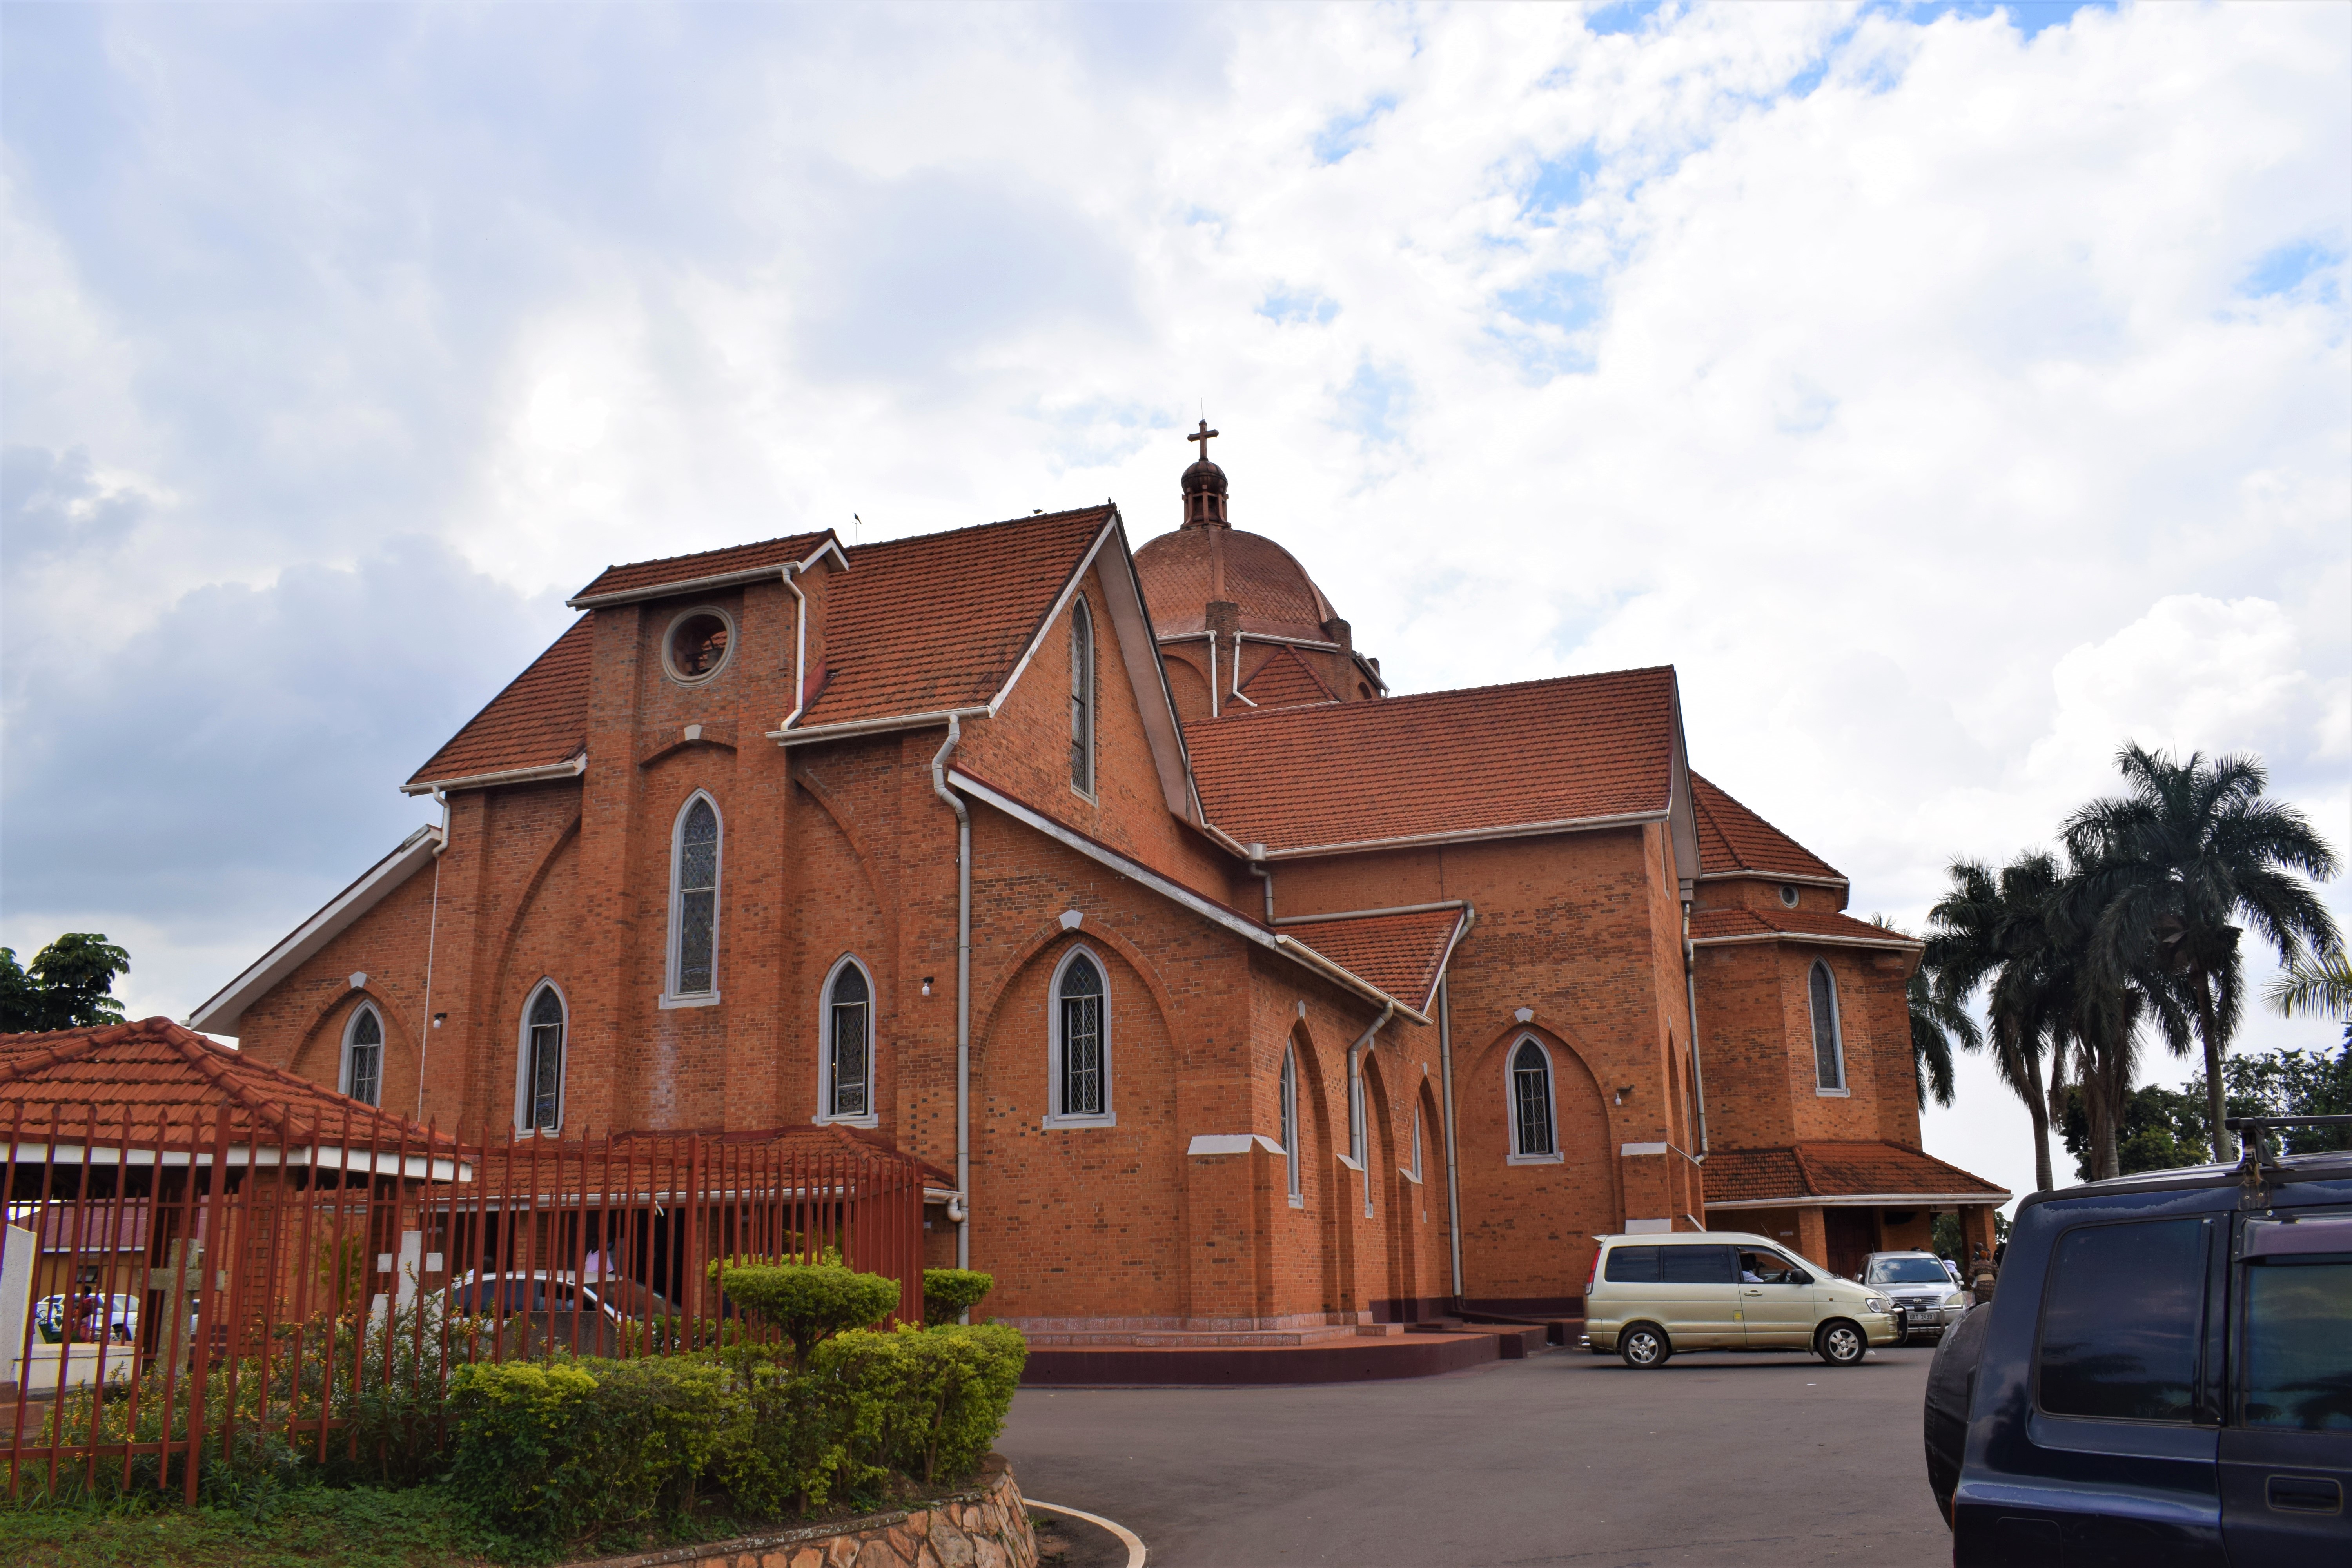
1908 1271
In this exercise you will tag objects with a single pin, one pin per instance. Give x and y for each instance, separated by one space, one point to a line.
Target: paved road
1562 1458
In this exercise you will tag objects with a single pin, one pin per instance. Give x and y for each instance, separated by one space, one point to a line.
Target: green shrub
949 1293
927 1401
810 1303
555 1452
785 1446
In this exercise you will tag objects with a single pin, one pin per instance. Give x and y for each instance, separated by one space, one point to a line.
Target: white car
54 1314
1921 1284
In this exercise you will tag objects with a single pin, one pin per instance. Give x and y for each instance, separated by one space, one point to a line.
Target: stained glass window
1828 1060
1082 697
364 1071
1082 1038
849 1014
544 1086
1531 1100
697 899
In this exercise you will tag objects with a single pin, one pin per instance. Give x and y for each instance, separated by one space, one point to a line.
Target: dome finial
1204 486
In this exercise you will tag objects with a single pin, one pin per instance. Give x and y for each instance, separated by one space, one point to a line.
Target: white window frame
1844 1089
1288 1092
1054 1117
1511 1101
383 1042
671 995
522 1061
824 1114
1413 1172
1082 617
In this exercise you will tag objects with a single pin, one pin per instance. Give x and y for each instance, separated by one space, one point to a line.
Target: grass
295 1528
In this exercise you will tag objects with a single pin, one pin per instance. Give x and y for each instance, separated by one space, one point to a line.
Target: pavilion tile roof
1489 757
159 1074
1733 838
1759 925
1404 954
1285 680
921 625
640 576
538 721
1801 1172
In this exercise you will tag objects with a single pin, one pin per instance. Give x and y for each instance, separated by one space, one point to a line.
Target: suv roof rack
2257 1167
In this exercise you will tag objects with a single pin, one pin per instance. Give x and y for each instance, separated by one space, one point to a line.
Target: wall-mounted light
926 985
1623 1092
439 1018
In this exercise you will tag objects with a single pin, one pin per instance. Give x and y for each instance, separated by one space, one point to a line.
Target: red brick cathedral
1232 990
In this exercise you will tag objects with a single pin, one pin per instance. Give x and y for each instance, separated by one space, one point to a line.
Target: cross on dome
1202 436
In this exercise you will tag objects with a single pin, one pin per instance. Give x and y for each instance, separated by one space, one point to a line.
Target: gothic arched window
1829 1042
848 1088
1082 697
1290 1123
363 1057
694 901
541 1103
1533 1136
1081 1048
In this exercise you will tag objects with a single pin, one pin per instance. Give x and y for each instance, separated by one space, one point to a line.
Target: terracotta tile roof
1733 838
638 576
1732 925
1284 680
1802 1171
919 625
538 721
161 1074
1487 758
1183 571
1400 954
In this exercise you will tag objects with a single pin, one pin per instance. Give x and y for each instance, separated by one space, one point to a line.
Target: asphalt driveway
1562 1458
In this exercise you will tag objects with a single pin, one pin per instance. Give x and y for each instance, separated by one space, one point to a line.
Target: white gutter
1236 692
1212 675
831 546
1837 883
565 770
300 1157
1472 835
431 931
1897 944
1869 1200
881 726
1176 893
960 1210
1360 1110
1367 914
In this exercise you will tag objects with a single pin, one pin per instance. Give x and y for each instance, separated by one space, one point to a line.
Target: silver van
1652 1295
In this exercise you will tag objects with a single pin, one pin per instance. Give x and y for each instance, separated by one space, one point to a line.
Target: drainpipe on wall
963 993
432 929
800 652
1453 1182
1258 868
1690 988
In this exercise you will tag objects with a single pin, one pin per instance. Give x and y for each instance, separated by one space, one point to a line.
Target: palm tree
1934 1024
2317 984
1991 932
2169 865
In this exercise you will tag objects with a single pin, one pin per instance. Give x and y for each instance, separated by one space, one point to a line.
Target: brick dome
1183 571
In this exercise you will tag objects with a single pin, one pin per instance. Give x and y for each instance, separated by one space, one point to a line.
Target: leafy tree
69 985
2291 1083
2160 1130
2190 848
1934 1024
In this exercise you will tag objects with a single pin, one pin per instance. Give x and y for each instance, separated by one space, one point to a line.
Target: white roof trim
1889 943
1867 1200
570 770
1135 871
221 1014
300 1156
1471 835
881 725
685 585
1747 875
1367 914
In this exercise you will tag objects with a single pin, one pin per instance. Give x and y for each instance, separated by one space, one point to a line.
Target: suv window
2121 1320
1670 1266
1907 1272
2298 1357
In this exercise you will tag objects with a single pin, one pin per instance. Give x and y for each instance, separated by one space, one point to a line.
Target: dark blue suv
2163 1377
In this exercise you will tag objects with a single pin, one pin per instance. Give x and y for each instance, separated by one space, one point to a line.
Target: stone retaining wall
986 1526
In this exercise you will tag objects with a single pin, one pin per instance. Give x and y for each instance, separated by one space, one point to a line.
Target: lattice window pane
1826 1072
852 1078
1082 1055
546 1082
367 1057
697 915
1531 1094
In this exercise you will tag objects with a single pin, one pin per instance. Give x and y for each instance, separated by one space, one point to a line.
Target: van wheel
1841 1344
1644 1345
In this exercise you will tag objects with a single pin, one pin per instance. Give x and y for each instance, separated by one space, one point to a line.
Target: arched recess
1383 1179
1320 1172
318 1051
1579 1110
540 903
844 822
985 1002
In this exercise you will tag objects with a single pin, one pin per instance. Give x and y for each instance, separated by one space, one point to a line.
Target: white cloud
1947 403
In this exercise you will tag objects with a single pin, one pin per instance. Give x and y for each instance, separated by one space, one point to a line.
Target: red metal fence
168 1291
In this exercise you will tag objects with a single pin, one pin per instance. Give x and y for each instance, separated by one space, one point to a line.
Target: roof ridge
197 1052
714 549
84 1042
1105 507
1390 704
1804 1170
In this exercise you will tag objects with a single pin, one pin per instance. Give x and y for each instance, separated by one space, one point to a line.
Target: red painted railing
186 1285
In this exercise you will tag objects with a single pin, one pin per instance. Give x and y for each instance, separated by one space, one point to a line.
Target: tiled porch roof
1833 1172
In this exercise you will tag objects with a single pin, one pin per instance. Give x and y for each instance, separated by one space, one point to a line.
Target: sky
1950 393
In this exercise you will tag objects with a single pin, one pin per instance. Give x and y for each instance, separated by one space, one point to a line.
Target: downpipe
961 1212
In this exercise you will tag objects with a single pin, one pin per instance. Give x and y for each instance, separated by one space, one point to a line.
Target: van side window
2297 1373
2121 1320
1696 1266
1632 1265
